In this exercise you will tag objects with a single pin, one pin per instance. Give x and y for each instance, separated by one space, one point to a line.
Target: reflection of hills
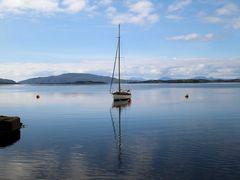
9 138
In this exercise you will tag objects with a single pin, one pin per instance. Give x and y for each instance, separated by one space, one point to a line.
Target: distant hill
7 81
69 78
190 81
204 77
84 78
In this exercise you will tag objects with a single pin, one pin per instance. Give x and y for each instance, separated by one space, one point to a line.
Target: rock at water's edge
9 124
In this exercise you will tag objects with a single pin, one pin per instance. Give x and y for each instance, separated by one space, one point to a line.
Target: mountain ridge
7 81
87 78
69 78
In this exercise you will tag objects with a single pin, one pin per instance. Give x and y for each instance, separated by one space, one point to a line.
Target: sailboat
120 94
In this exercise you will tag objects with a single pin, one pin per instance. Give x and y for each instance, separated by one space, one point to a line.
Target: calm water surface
76 132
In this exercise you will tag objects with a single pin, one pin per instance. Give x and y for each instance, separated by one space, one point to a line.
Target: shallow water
73 132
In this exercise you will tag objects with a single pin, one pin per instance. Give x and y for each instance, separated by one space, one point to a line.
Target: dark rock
9 124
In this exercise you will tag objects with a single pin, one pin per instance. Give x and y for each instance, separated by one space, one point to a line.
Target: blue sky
172 38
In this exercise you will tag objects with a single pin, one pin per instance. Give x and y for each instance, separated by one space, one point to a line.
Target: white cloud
178 5
235 23
42 6
138 13
143 7
193 37
187 37
104 2
189 68
23 5
208 37
19 71
111 11
212 19
74 5
228 9
227 16
136 67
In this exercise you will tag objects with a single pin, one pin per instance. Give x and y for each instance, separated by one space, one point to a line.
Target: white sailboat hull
121 97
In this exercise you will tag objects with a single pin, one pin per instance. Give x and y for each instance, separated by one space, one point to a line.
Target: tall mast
119 78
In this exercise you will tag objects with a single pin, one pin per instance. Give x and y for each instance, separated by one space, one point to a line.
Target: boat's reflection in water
118 107
9 138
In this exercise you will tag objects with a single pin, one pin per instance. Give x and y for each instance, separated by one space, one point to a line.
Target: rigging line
114 67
